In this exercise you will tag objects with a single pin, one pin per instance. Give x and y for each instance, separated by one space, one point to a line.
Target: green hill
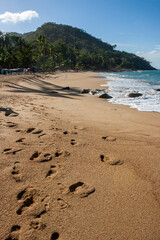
58 46
69 35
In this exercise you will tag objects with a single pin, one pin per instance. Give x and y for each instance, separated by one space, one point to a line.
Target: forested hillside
69 35
56 46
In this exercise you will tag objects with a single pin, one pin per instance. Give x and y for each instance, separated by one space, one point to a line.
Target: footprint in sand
29 130
73 132
20 140
16 172
18 130
109 138
34 131
35 155
54 236
41 157
42 212
37 131
52 172
62 188
26 198
11 125
111 160
46 200
14 233
11 151
81 189
46 157
59 153
65 132
73 142
39 210
58 129
63 204
42 135
7 150
37 225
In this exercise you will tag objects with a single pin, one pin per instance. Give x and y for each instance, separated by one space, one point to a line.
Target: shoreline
89 168
121 86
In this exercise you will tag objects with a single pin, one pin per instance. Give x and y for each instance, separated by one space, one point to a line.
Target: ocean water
145 82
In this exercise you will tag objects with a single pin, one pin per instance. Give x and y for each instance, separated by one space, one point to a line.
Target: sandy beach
74 166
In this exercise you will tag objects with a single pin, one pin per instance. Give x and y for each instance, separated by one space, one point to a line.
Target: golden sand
73 166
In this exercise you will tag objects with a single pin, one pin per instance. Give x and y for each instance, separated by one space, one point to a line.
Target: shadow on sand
42 87
8 112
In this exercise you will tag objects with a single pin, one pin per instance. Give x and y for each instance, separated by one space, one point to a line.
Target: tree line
44 56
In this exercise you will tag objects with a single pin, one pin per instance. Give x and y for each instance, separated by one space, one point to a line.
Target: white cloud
153 52
18 17
153 57
157 47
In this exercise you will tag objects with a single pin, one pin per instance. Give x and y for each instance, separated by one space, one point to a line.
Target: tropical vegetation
60 47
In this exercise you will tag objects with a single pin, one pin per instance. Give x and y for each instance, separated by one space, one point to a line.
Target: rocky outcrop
105 95
84 91
93 92
135 94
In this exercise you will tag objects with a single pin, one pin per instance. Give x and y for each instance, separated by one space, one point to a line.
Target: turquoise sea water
145 82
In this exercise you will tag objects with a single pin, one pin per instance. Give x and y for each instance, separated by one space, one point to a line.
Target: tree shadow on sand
9 112
41 87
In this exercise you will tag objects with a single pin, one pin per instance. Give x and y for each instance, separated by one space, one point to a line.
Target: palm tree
43 44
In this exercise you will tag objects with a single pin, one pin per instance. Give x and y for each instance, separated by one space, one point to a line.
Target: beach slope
74 166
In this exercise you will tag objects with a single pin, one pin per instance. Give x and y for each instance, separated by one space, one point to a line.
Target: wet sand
73 166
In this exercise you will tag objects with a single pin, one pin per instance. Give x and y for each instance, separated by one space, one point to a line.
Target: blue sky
131 24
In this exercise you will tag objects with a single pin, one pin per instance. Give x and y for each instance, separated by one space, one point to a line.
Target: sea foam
145 82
